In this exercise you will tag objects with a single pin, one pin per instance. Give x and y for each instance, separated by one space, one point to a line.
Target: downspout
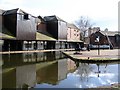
109 41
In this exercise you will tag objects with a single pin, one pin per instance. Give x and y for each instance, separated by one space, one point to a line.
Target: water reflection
93 75
20 69
54 70
19 77
13 60
26 75
84 70
86 76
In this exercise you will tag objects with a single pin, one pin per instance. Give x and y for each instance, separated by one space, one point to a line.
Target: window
28 45
41 43
26 16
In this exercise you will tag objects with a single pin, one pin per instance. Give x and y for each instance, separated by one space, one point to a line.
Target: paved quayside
92 55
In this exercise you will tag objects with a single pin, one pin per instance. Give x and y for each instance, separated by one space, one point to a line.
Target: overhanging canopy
41 36
5 36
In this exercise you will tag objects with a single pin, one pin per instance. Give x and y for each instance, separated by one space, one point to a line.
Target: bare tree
106 29
84 23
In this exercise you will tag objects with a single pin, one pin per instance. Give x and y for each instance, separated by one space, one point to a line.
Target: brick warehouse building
107 39
23 31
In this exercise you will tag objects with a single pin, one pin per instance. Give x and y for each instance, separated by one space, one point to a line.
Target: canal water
54 70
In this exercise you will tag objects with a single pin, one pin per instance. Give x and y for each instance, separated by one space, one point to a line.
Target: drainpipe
9 46
27 45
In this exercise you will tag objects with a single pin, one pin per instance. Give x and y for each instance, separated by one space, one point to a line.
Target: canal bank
94 55
32 51
113 86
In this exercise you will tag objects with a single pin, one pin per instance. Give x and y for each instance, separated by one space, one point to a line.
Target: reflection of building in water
47 74
0 76
28 57
52 73
51 68
19 77
71 65
26 75
9 78
62 69
11 60
42 56
34 57
59 55
1 63
50 56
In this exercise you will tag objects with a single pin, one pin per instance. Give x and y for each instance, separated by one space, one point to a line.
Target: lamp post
98 40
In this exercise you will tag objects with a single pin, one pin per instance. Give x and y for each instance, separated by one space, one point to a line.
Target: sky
103 13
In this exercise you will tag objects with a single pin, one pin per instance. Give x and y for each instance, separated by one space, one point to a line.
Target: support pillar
35 45
60 45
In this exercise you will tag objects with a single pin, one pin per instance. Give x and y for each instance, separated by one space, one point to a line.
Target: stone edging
93 60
